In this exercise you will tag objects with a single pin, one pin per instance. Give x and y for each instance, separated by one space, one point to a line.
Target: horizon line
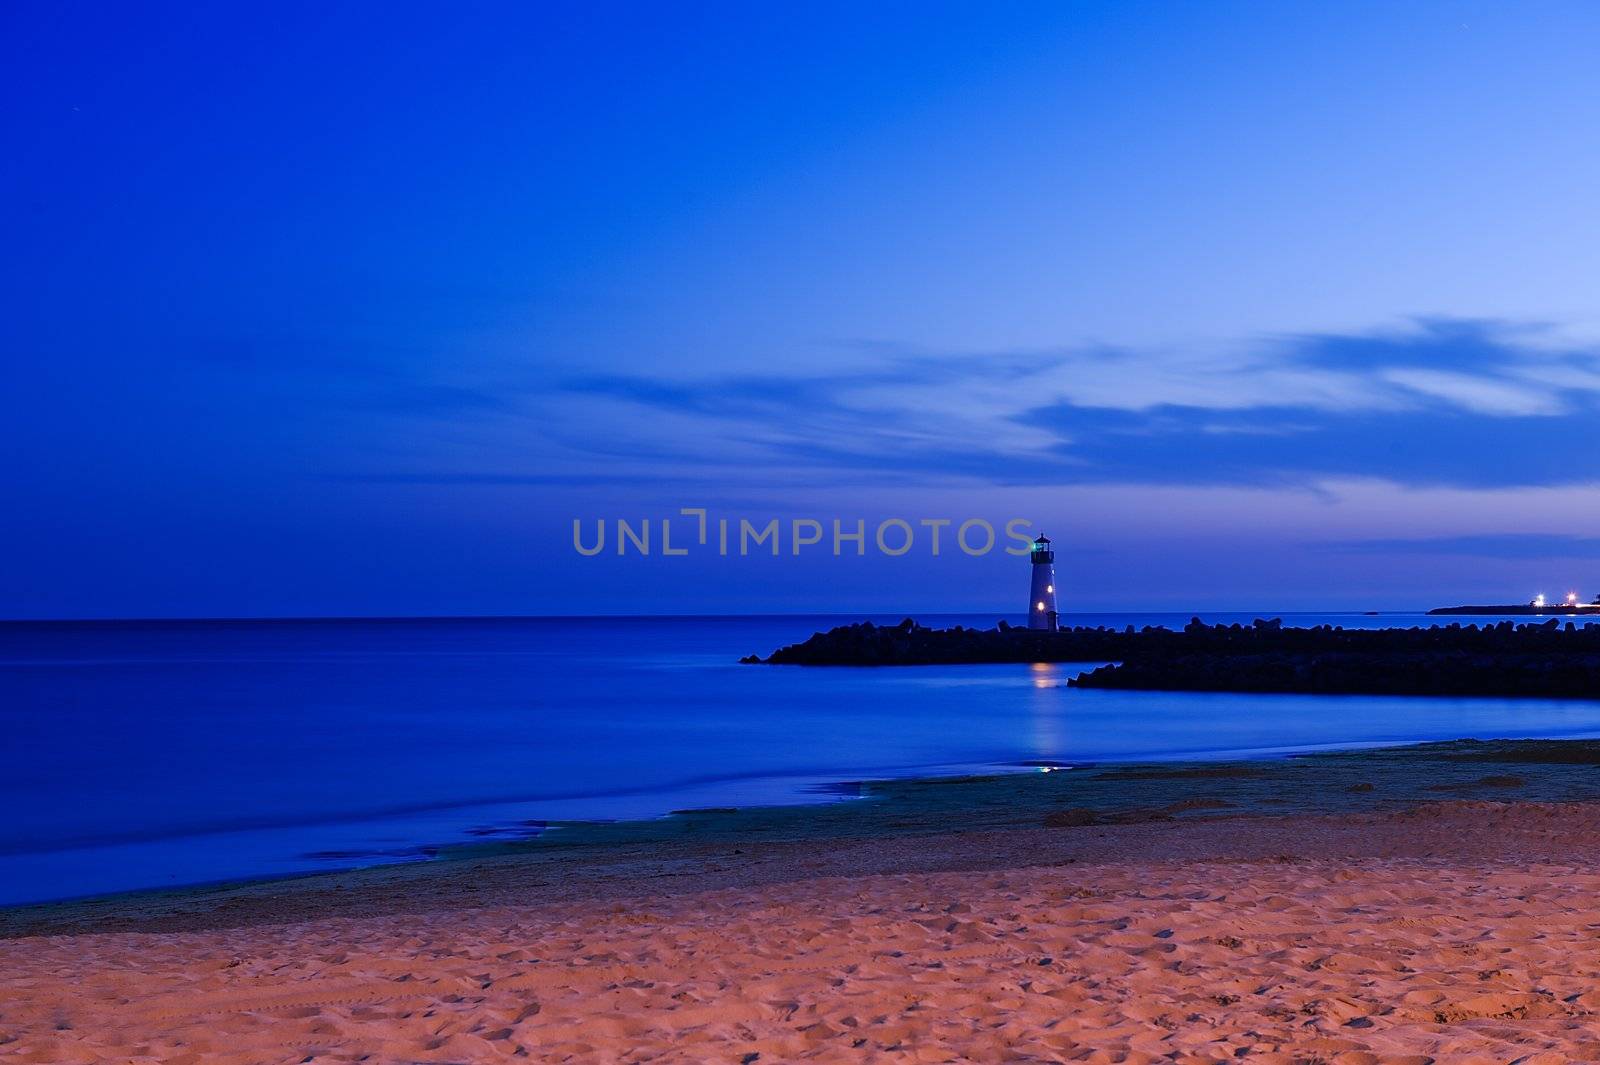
269 618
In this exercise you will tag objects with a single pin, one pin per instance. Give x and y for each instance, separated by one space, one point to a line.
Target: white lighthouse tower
1042 594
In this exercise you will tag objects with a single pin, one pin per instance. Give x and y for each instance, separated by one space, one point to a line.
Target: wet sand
1463 929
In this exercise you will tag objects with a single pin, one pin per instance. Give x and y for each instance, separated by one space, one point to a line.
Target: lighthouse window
1050 588
1039 606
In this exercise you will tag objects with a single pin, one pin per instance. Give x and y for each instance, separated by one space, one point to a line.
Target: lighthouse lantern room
1042 594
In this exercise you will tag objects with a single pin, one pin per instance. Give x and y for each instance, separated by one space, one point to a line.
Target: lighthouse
1042 593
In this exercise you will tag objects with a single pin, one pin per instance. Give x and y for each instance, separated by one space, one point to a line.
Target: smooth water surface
148 754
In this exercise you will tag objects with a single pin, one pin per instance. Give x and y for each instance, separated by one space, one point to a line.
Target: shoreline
806 795
1415 904
944 813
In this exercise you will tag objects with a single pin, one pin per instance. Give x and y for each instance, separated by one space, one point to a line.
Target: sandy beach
1460 931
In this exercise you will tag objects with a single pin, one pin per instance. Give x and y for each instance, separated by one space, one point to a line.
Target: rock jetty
1507 675
1551 660
909 643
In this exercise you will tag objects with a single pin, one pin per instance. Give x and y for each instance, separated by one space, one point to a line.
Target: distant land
1523 610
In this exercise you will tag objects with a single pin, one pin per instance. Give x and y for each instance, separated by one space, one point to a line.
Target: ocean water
150 754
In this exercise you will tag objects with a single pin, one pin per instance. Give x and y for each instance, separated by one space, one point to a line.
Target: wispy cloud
1469 404
1492 545
1302 445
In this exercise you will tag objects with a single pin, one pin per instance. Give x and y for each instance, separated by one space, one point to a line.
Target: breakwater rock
1551 674
909 643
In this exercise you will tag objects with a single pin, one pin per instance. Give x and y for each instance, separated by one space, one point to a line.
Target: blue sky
347 309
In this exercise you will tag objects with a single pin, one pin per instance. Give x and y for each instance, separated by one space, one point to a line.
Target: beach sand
1460 931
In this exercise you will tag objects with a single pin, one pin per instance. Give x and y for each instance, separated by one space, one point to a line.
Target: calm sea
144 754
